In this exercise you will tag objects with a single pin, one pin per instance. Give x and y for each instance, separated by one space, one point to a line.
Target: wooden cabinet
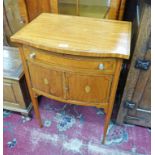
16 96
74 61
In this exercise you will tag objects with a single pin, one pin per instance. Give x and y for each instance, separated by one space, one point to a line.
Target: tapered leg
106 124
36 110
112 97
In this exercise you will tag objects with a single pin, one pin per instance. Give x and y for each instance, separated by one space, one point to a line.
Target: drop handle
101 66
32 55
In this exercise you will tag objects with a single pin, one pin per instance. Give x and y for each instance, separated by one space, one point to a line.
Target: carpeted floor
71 130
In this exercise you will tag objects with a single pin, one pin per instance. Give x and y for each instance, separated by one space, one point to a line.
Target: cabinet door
88 88
46 80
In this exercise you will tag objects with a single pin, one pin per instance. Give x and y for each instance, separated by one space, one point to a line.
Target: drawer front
93 89
72 62
45 79
8 93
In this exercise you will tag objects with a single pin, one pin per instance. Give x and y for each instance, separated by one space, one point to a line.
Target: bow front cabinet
73 59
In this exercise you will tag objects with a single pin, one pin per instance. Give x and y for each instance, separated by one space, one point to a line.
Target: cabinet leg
36 110
112 97
106 124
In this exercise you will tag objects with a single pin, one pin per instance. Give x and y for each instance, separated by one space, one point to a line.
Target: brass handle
87 89
101 66
32 55
45 81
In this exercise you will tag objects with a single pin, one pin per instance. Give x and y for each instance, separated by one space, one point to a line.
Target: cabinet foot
106 124
36 110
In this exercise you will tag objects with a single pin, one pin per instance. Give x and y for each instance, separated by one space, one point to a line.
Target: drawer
45 79
8 92
104 65
90 89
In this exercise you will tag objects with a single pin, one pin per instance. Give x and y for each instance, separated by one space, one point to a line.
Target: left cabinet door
45 79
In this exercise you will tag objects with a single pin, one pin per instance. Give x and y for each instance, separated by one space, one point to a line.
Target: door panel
8 92
45 79
135 107
94 89
142 95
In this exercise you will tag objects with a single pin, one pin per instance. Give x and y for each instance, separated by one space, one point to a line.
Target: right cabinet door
89 88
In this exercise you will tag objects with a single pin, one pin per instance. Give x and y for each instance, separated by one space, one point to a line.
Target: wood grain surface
77 35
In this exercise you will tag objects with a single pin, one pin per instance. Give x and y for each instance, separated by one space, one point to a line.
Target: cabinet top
77 35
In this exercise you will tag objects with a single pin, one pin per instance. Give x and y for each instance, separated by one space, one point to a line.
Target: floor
71 130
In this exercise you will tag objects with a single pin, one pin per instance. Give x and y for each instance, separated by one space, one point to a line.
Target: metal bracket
129 105
142 64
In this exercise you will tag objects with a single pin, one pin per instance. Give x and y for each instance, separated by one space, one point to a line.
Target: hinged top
12 65
77 35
